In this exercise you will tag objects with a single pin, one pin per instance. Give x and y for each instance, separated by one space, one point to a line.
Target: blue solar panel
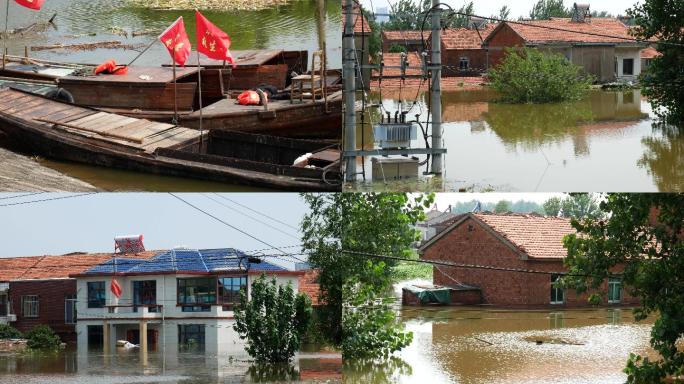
187 260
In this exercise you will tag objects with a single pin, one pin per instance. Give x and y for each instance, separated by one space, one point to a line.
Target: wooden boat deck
140 134
230 106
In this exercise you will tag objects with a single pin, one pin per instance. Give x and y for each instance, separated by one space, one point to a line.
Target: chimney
580 13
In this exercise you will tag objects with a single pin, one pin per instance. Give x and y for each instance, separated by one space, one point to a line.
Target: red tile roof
360 22
535 235
649 53
401 36
394 59
463 38
572 32
55 267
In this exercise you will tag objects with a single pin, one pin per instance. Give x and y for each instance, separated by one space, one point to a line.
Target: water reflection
603 142
472 345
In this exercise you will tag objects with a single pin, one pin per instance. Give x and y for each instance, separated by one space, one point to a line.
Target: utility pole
348 72
436 93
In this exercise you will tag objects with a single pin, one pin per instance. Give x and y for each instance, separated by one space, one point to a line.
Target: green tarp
431 295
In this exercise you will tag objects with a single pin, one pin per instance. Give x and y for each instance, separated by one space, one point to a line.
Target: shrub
9 332
273 321
396 48
530 76
42 337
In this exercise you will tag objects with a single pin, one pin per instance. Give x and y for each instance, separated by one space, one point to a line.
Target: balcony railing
135 309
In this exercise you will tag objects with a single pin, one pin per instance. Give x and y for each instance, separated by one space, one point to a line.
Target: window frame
35 302
183 332
631 69
4 304
614 281
195 306
555 291
137 288
220 288
460 62
70 299
100 302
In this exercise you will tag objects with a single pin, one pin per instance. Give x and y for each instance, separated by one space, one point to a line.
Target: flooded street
475 345
301 25
605 142
72 366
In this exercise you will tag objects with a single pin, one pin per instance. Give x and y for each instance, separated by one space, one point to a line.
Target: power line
48 199
226 224
18 196
253 218
257 212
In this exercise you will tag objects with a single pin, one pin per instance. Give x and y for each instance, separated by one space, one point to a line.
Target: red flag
33 4
116 288
176 41
212 41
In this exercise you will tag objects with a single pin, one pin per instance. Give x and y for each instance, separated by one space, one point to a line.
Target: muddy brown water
607 141
475 345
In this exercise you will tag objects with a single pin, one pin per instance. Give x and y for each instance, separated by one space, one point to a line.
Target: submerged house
410 40
513 259
462 50
179 297
602 46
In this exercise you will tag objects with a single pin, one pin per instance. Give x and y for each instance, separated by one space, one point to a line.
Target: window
95 336
647 63
191 337
3 304
627 66
464 63
197 294
145 292
96 294
614 290
229 289
557 294
29 306
70 309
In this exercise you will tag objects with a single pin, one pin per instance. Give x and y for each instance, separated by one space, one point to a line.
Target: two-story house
179 297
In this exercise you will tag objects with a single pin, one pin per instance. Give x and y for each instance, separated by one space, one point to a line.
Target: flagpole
143 51
175 101
199 87
4 37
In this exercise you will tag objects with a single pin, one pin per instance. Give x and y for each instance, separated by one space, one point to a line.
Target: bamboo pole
199 90
4 37
175 99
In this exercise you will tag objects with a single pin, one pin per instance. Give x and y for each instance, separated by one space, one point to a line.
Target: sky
443 200
517 7
89 223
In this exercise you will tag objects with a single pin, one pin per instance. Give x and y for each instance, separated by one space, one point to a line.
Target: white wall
628 53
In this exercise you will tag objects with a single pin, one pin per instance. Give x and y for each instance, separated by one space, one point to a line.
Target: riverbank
22 173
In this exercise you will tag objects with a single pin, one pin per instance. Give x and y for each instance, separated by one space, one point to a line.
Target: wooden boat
148 92
65 131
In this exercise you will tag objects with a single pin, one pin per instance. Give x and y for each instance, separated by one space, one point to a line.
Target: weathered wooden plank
89 118
171 137
53 110
149 128
80 128
28 108
107 125
77 114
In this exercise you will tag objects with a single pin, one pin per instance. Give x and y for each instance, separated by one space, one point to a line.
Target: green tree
42 337
273 322
502 206
577 205
546 9
504 13
530 76
663 83
9 332
553 206
373 223
643 237
403 16
396 48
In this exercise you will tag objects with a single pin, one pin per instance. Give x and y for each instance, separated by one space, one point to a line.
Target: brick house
647 55
415 63
518 244
410 40
39 290
608 58
462 50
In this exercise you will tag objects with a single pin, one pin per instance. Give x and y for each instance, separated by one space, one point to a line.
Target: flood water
605 142
72 366
475 345
301 25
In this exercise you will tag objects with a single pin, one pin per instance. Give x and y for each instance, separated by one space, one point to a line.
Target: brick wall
472 243
452 57
51 295
505 37
308 284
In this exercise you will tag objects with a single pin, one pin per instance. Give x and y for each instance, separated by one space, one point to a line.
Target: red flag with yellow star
176 40
33 4
212 41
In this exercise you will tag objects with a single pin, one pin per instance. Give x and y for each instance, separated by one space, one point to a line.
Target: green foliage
546 9
407 270
504 13
374 39
577 205
273 321
521 206
396 48
272 373
370 328
530 76
375 223
409 15
502 206
9 332
663 83
649 250
42 337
